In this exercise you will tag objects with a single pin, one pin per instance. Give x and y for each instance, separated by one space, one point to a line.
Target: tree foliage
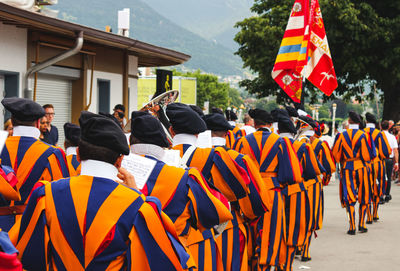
363 38
210 89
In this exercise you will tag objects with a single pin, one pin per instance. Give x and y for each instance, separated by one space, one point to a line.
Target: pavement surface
378 249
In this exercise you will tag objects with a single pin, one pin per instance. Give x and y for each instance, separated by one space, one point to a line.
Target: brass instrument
161 101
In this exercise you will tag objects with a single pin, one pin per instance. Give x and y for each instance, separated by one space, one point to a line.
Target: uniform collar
26 131
100 169
371 125
148 149
288 135
71 151
354 126
184 139
218 141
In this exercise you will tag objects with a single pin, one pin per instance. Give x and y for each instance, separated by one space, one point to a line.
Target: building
91 69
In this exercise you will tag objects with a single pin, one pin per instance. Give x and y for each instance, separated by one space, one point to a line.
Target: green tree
364 38
234 98
208 89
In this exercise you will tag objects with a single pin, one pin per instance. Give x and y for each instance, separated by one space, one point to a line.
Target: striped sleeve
290 170
337 148
154 244
33 235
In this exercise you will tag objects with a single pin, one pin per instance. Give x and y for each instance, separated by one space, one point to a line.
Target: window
103 95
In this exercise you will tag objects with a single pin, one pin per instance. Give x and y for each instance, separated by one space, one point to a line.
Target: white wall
115 89
13 51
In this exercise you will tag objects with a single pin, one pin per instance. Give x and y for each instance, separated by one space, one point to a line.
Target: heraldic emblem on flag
304 51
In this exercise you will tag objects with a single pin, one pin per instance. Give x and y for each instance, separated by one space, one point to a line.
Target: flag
319 70
292 55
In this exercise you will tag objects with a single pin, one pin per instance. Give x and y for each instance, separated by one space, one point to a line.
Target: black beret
309 121
355 117
184 119
370 118
261 114
285 124
216 110
148 129
274 114
114 119
292 111
217 122
23 109
72 133
102 131
197 110
230 115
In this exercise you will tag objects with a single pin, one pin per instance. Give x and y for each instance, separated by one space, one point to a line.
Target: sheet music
172 157
140 167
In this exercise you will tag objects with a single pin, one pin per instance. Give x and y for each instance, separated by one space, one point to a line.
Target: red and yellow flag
304 51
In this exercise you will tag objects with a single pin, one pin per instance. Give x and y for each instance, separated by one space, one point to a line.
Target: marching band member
72 134
92 221
31 159
279 167
352 150
234 244
216 165
184 194
377 165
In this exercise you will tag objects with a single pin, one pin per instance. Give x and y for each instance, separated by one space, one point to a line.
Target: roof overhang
149 55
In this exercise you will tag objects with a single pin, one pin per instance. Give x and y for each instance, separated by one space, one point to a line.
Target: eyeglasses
50 114
47 122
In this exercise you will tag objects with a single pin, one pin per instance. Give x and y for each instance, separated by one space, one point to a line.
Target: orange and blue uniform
31 160
353 149
377 169
279 167
312 170
74 166
325 157
186 198
94 223
221 168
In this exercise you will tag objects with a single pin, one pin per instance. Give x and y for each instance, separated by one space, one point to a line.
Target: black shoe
369 222
387 198
351 232
376 219
381 200
362 229
298 251
305 259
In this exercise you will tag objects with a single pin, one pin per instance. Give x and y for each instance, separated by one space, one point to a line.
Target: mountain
211 19
149 26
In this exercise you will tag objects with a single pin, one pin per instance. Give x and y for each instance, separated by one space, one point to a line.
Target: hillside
211 19
149 26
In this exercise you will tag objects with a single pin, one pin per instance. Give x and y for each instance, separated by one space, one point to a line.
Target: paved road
379 249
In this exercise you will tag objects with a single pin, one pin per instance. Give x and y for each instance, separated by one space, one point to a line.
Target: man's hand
127 178
396 167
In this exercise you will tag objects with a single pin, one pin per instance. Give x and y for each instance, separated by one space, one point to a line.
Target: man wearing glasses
52 135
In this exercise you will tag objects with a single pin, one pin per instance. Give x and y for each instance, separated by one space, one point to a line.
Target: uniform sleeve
368 150
337 148
289 168
327 159
257 202
228 176
311 166
58 165
206 208
33 235
154 244
8 184
383 146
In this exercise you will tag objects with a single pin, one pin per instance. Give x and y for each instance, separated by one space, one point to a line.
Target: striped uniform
186 199
31 160
353 149
279 167
220 169
74 166
93 223
325 157
313 167
377 169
